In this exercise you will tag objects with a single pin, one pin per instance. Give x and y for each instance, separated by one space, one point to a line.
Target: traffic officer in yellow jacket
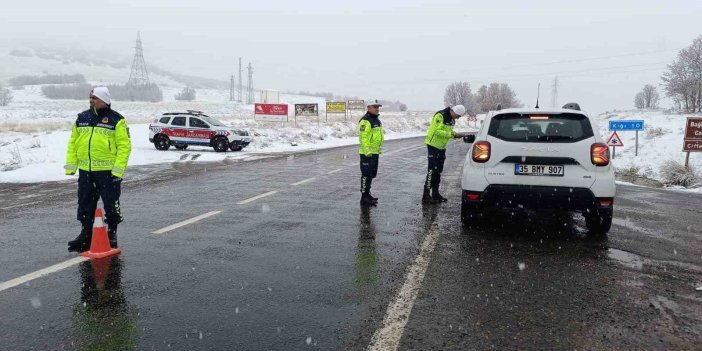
98 149
438 136
370 138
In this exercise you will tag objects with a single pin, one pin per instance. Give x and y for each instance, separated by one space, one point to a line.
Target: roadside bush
654 132
675 173
64 92
5 96
187 94
47 79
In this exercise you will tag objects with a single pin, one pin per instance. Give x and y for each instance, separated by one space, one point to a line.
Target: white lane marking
336 170
242 202
42 272
20 205
303 181
186 222
398 312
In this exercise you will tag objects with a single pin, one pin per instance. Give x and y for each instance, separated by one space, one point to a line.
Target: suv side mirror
469 139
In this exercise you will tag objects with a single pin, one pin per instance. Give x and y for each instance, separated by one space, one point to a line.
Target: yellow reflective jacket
440 129
370 135
99 142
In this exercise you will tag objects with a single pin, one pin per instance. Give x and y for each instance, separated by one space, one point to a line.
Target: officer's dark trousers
436 159
95 185
369 169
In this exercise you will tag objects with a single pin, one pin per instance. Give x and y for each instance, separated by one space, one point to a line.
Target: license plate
539 170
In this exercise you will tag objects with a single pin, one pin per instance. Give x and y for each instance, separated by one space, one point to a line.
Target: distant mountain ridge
92 59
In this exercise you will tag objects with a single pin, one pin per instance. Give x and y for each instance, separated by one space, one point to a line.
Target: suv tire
598 222
470 214
161 142
220 144
181 147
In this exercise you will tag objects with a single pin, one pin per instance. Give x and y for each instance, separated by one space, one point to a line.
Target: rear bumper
537 198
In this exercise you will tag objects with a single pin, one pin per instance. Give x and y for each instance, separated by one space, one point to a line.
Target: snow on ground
662 140
36 130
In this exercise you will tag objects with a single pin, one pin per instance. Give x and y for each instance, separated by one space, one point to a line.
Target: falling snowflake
309 340
522 266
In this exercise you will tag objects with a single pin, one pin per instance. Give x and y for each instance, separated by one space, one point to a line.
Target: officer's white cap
460 110
374 102
102 93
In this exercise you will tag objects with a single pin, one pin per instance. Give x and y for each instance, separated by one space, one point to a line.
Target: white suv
540 159
181 129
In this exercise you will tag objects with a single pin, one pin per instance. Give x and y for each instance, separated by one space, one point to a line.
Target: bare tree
459 93
5 96
683 80
639 101
489 97
650 96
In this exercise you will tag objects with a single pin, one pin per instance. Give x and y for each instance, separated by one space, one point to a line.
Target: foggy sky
603 51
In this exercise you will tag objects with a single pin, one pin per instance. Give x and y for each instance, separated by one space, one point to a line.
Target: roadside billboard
307 110
336 107
357 105
271 112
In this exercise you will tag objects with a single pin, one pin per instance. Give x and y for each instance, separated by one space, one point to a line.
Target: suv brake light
481 151
599 154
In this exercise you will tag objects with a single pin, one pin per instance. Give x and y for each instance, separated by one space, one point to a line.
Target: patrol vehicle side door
199 130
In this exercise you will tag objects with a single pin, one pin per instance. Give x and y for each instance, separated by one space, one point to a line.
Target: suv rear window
541 128
164 120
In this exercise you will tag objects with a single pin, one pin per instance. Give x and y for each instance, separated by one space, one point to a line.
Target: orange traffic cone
100 245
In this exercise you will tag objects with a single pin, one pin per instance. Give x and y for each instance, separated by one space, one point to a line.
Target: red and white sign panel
614 140
271 112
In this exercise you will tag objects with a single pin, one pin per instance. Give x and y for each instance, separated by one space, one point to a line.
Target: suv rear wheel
470 214
220 144
161 142
598 222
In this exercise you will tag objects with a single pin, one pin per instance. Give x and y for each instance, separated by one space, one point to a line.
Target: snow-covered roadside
37 157
661 141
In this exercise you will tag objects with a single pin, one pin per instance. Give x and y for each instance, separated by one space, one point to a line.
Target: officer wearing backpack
438 136
98 149
371 139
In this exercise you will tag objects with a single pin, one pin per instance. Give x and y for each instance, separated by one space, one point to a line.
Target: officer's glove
70 172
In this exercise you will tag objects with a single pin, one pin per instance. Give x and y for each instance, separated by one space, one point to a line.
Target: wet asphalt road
305 267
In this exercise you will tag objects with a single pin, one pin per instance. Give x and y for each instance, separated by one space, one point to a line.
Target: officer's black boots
367 200
426 197
82 241
436 197
373 197
112 235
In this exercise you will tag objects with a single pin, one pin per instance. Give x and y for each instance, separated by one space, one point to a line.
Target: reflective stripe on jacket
440 129
370 135
99 142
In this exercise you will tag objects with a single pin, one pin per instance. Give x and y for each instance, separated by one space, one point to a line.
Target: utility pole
554 92
240 88
231 88
250 98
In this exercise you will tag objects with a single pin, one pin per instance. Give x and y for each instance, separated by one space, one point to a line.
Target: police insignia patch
105 120
363 127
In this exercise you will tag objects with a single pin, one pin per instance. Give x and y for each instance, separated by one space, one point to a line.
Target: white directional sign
614 140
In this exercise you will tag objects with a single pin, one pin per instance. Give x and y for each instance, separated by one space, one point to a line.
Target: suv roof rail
572 106
189 112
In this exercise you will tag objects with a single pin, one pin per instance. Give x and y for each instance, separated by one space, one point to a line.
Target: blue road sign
626 125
